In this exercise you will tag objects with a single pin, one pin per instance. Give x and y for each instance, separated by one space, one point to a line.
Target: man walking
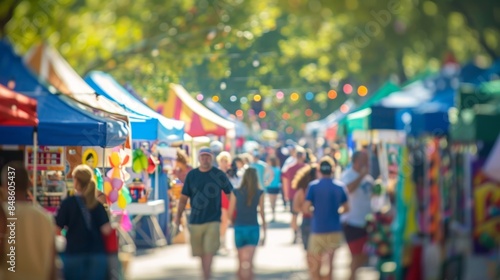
203 186
359 186
328 198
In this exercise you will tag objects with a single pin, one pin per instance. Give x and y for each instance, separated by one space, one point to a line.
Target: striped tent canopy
200 121
16 109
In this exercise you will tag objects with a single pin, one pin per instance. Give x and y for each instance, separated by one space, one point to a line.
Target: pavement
277 259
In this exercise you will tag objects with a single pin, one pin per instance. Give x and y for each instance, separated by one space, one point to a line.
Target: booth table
148 211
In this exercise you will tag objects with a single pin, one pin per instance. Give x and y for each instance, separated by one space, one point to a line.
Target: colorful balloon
114 159
107 188
116 183
122 202
113 196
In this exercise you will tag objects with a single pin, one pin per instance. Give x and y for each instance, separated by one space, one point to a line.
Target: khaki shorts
205 238
320 243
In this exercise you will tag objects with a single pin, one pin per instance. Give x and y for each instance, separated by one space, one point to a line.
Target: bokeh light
239 113
257 98
199 97
262 114
344 108
362 91
294 96
243 100
332 94
285 116
233 98
289 130
309 112
309 96
215 98
347 89
280 95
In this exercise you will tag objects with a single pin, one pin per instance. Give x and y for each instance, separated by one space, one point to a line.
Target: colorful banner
486 210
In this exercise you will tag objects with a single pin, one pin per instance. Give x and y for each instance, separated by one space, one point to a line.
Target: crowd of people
227 191
224 190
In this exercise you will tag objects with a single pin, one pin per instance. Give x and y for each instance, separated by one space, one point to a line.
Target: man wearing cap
203 187
328 199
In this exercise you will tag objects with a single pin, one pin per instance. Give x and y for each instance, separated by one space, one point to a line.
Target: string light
215 98
332 94
309 96
239 113
289 130
344 108
347 89
257 98
243 100
199 97
280 95
294 96
362 91
285 116
262 114
309 112
233 98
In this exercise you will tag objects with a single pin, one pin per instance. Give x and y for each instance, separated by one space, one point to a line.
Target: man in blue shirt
328 199
203 185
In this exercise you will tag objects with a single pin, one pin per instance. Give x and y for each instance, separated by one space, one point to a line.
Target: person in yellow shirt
24 254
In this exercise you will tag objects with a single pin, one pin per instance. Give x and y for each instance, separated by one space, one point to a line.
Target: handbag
110 240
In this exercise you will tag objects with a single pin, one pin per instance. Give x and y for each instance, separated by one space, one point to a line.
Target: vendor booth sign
486 210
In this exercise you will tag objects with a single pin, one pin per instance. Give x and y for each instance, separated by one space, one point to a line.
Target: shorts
320 243
204 238
224 200
356 238
273 190
246 236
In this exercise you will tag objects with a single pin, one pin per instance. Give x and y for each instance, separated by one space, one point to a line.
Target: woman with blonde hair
86 221
245 201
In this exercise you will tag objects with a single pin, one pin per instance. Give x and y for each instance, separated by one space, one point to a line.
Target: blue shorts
246 236
273 190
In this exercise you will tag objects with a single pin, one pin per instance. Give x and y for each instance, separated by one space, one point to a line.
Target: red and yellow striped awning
200 121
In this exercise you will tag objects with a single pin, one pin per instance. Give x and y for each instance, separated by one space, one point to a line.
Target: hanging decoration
90 158
114 187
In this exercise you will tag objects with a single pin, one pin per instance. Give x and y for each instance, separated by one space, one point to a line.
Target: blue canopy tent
153 127
62 121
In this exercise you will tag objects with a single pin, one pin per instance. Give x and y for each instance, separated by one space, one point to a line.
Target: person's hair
274 161
329 161
89 156
85 177
356 155
21 177
182 157
304 176
250 184
310 157
222 155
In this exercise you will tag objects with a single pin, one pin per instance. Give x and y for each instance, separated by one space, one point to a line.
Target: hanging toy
114 185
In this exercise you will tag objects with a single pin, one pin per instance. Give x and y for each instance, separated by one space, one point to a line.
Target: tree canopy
232 50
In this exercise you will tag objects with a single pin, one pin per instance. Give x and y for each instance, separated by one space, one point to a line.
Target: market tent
241 128
62 120
154 127
17 109
200 121
49 65
359 118
320 127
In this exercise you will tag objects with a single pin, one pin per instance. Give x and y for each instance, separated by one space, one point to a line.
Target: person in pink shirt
288 176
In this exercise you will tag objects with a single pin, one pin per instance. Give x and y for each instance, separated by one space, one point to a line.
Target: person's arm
354 185
180 208
263 217
344 200
298 201
306 207
344 208
232 206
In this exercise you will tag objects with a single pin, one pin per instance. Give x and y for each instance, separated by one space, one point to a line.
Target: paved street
278 259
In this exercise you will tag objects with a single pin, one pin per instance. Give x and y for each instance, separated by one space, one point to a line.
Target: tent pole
157 192
35 165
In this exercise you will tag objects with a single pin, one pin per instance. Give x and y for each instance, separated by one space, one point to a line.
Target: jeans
85 266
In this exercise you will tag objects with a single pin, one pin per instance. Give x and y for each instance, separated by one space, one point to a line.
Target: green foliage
257 46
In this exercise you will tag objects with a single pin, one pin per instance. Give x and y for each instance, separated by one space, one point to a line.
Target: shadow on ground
229 275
